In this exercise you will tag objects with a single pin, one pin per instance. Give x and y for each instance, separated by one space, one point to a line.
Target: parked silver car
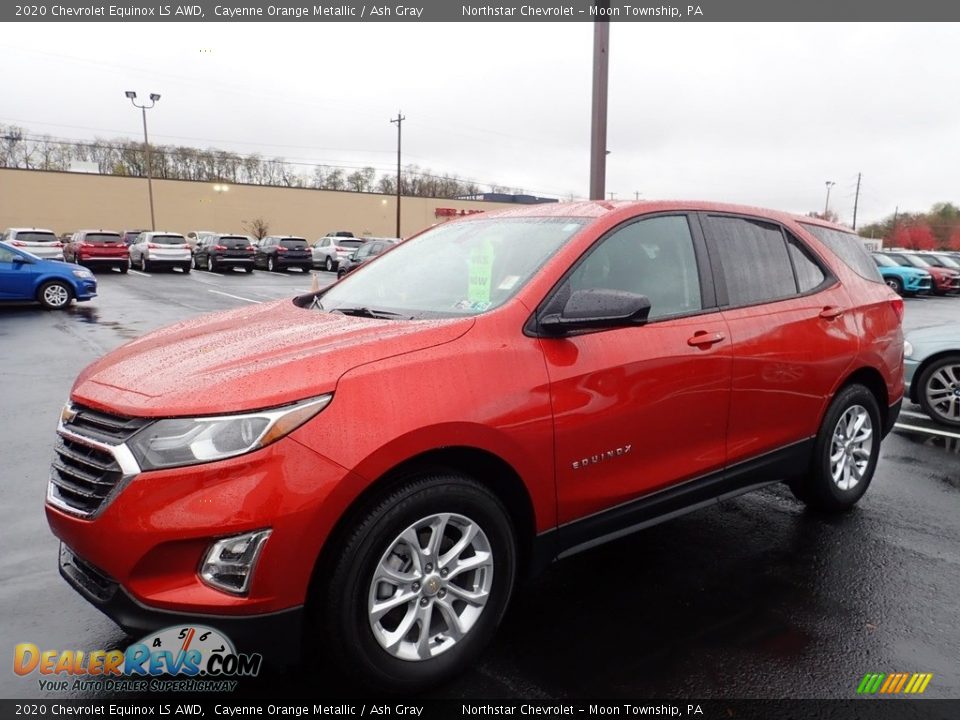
42 243
330 251
155 250
931 364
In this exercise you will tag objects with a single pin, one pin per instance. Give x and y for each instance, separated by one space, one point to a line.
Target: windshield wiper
365 312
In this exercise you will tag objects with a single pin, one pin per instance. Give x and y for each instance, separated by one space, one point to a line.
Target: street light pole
146 147
399 121
598 129
826 205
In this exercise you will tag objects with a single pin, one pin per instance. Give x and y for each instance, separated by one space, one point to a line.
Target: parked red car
945 280
98 248
374 465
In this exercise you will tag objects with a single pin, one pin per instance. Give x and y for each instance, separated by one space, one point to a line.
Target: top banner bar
479 11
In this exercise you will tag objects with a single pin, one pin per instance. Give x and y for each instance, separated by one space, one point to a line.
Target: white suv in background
42 243
155 250
330 251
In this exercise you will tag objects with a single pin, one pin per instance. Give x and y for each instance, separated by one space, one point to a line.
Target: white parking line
916 428
237 297
137 272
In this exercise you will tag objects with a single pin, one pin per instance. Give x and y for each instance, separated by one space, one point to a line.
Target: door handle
831 313
703 339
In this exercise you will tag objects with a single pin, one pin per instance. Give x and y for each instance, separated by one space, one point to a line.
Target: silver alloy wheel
56 295
209 263
851 447
430 586
893 284
328 265
270 264
943 392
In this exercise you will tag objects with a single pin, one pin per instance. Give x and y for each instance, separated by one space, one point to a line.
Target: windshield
917 261
37 237
885 261
101 238
168 240
947 261
899 260
462 268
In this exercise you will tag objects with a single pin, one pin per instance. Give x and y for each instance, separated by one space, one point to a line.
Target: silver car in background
931 365
42 243
155 250
330 251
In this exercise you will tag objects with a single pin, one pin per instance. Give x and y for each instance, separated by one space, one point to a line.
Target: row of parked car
922 272
338 251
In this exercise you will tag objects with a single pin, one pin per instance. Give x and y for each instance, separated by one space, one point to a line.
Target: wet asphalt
754 598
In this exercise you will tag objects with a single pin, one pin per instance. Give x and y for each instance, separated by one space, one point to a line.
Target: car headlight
907 349
176 442
82 273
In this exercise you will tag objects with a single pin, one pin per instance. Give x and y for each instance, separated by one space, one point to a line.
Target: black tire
143 263
343 611
196 263
271 266
124 268
328 264
818 488
895 284
248 269
952 363
55 295
211 266
186 269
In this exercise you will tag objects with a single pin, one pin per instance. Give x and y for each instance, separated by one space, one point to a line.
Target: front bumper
85 289
277 636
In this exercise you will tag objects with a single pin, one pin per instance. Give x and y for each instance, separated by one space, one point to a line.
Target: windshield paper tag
481 272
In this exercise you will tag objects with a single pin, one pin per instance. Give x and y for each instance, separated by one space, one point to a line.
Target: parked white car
42 243
330 251
155 250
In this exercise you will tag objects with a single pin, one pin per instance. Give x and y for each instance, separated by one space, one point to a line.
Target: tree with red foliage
900 238
921 237
954 242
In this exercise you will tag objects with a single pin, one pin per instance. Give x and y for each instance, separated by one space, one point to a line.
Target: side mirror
596 309
21 260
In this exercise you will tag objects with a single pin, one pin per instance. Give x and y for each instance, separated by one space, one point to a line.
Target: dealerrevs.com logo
190 658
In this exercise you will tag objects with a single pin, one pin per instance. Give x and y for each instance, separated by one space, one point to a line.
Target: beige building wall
64 202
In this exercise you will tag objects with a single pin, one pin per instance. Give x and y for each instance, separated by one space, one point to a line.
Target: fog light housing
230 562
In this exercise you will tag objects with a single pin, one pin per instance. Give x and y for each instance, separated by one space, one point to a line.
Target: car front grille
85 576
87 467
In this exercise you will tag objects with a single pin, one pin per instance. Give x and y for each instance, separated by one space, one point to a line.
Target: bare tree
258 227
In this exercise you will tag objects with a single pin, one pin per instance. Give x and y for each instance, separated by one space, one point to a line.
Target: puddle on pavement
89 314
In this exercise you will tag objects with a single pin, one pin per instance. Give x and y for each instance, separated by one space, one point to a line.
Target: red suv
98 248
374 465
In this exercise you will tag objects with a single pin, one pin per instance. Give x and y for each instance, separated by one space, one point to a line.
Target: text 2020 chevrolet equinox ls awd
374 465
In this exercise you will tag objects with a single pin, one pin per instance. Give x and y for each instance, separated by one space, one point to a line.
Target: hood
941 272
948 334
248 359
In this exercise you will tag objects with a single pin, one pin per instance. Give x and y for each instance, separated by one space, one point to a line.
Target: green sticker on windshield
481 273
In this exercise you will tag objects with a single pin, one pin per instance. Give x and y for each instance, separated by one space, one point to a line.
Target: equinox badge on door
608 455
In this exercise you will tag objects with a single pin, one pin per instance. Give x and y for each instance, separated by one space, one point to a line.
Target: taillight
18 243
340 249
897 305
281 248
250 248
58 244
152 246
219 247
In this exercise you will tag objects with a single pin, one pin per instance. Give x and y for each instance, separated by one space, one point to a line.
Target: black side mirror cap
597 309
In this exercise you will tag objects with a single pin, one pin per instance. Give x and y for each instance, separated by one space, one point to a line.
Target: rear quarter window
849 248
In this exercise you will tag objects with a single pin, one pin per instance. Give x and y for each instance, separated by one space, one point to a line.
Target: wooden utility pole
856 201
598 115
399 121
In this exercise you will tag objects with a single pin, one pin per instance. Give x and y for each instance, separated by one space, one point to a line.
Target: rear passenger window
809 274
754 259
652 257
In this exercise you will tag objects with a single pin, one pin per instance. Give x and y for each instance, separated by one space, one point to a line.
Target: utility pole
146 146
612 194
636 194
896 211
399 121
598 128
856 201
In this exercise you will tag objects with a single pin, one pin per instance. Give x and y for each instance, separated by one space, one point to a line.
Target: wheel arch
872 379
485 467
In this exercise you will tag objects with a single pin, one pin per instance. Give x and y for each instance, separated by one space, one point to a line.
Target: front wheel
54 295
421 583
895 284
939 390
845 452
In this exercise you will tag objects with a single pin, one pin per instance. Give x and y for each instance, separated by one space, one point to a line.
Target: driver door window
652 257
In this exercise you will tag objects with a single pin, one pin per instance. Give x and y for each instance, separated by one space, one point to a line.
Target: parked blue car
52 283
903 280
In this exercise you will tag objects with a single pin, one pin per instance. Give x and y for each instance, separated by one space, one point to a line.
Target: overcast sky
752 113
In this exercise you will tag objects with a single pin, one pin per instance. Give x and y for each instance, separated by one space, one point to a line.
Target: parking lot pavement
755 597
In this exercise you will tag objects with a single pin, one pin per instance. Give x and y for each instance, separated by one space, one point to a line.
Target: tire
270 265
124 268
196 263
850 411
144 265
941 379
248 269
210 266
359 642
328 264
895 284
186 269
55 295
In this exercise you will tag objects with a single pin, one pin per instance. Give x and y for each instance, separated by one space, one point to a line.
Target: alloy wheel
430 586
942 391
56 295
850 447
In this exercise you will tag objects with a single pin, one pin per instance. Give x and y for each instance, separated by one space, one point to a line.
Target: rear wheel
210 266
144 265
845 452
124 267
248 269
939 390
421 583
271 267
185 268
54 295
328 264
